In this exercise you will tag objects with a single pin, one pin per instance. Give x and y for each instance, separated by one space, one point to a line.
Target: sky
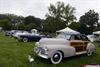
39 8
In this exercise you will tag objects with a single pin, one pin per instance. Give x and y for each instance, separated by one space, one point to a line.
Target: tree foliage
33 20
58 17
5 24
75 26
20 22
30 26
51 25
21 26
89 20
62 11
12 18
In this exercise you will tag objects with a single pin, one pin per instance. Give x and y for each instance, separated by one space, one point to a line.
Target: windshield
65 36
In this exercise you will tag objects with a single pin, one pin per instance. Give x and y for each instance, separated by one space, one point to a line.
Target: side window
61 36
77 37
84 38
72 38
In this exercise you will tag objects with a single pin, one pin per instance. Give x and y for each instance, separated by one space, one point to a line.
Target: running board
82 52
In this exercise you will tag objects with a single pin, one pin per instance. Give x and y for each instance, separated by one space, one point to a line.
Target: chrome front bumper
19 38
40 53
43 56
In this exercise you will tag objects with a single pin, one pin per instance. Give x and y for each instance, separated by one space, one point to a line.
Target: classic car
10 33
29 37
17 34
63 46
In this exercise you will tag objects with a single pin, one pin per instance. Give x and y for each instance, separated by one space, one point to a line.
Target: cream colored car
63 46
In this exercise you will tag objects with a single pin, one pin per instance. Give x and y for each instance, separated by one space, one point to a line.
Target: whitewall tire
56 58
89 52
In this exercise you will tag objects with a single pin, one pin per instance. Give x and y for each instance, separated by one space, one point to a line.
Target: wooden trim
79 45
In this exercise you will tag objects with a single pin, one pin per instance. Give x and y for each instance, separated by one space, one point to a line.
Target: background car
28 37
33 36
17 34
10 33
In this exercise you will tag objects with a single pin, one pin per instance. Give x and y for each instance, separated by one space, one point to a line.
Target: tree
75 26
30 26
89 20
62 11
12 18
5 24
97 27
3 16
21 26
31 19
51 25
83 29
58 17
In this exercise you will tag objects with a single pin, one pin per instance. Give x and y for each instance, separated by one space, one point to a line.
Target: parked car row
29 37
55 49
25 36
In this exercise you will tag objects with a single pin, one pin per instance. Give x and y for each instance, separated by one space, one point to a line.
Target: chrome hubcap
56 57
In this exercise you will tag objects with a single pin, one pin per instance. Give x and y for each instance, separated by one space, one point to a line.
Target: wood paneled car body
63 46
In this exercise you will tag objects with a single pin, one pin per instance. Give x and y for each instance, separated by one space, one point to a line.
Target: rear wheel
56 58
89 52
25 39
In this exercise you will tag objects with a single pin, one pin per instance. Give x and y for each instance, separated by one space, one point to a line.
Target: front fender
65 49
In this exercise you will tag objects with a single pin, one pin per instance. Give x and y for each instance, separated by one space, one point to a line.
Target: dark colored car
27 38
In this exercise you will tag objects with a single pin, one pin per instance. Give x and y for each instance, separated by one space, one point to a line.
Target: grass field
14 54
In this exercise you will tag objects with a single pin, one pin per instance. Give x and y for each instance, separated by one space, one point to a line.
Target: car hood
16 34
52 41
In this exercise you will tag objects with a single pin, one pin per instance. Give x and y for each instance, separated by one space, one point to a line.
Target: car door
77 43
85 42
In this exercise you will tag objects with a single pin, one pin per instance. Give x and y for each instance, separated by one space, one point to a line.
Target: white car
16 35
63 46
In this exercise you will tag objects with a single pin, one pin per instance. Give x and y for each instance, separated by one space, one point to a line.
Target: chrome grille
39 50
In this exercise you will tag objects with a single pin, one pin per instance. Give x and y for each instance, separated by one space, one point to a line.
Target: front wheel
56 58
25 39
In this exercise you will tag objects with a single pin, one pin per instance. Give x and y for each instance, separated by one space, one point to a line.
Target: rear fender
91 47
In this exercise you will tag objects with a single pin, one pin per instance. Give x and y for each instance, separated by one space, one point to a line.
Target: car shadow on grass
74 61
72 58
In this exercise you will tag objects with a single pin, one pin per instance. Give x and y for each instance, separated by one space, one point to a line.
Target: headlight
46 50
37 43
36 49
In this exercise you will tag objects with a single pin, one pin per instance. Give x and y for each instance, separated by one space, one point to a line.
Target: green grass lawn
14 54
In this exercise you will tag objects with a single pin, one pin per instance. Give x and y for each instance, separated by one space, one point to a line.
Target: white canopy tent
97 32
68 31
34 31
